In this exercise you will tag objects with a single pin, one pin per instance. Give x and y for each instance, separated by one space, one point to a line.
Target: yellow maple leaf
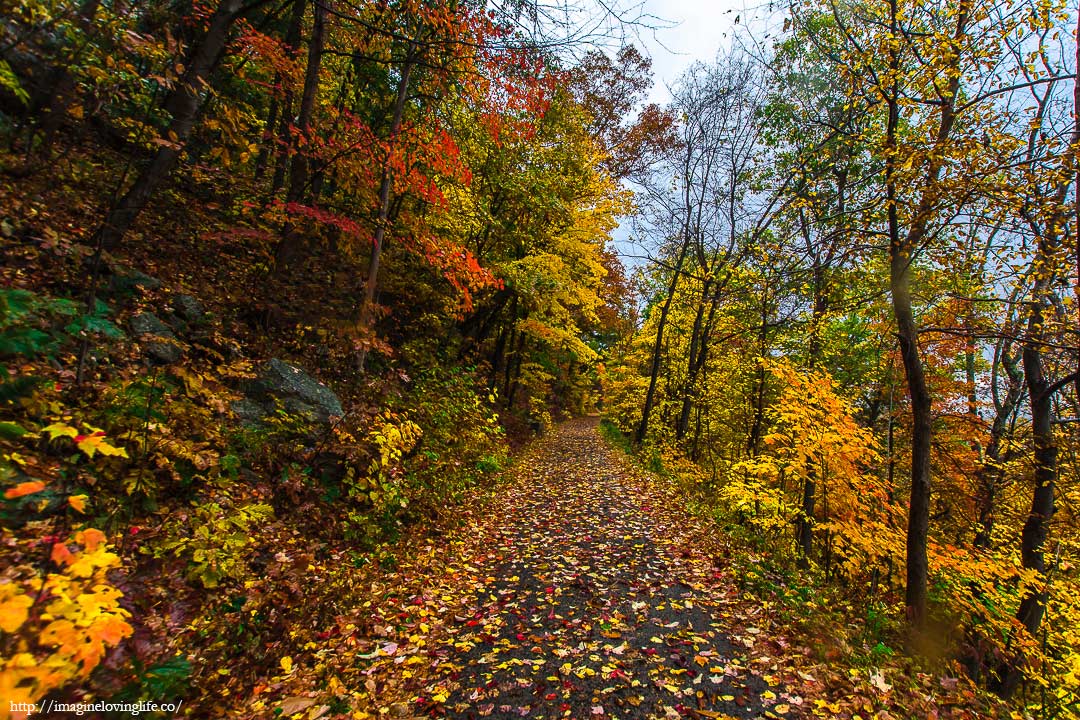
14 607
96 443
61 634
60 429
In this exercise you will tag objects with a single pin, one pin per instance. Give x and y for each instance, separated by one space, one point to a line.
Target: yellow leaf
287 665
61 634
59 429
78 502
96 443
14 608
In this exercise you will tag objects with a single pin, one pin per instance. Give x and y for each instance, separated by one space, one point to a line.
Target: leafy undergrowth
156 546
852 647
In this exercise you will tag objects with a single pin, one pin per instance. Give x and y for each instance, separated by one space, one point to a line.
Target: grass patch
615 437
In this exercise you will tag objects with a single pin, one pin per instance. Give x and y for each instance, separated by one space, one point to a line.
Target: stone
147 323
248 410
159 342
128 280
164 352
188 308
298 392
296 406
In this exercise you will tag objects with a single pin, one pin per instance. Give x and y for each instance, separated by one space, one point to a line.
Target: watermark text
50 707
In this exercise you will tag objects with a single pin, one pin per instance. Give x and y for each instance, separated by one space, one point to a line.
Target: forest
408 359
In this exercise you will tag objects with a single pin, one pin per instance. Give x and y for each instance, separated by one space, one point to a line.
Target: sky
690 30
686 31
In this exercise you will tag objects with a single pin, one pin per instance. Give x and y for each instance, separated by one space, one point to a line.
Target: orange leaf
110 629
26 488
90 538
61 555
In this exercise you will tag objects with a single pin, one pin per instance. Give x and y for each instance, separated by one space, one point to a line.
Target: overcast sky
698 29
687 31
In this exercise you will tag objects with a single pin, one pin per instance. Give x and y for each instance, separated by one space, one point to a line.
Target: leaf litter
586 590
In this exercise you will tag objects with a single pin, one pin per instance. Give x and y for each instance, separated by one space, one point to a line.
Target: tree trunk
757 427
288 245
919 508
263 158
183 104
292 42
514 376
506 337
698 341
1033 536
64 87
989 476
654 367
496 358
367 310
902 250
1036 527
298 175
806 519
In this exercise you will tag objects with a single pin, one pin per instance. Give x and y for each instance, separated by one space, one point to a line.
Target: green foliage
95 323
33 325
463 440
20 312
11 83
132 404
167 679
277 436
490 464
11 431
213 539
377 490
615 437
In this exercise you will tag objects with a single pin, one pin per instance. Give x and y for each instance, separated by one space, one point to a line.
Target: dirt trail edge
593 595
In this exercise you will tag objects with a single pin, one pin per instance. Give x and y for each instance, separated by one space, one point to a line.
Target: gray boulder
159 342
147 323
298 392
248 410
188 308
164 352
127 281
